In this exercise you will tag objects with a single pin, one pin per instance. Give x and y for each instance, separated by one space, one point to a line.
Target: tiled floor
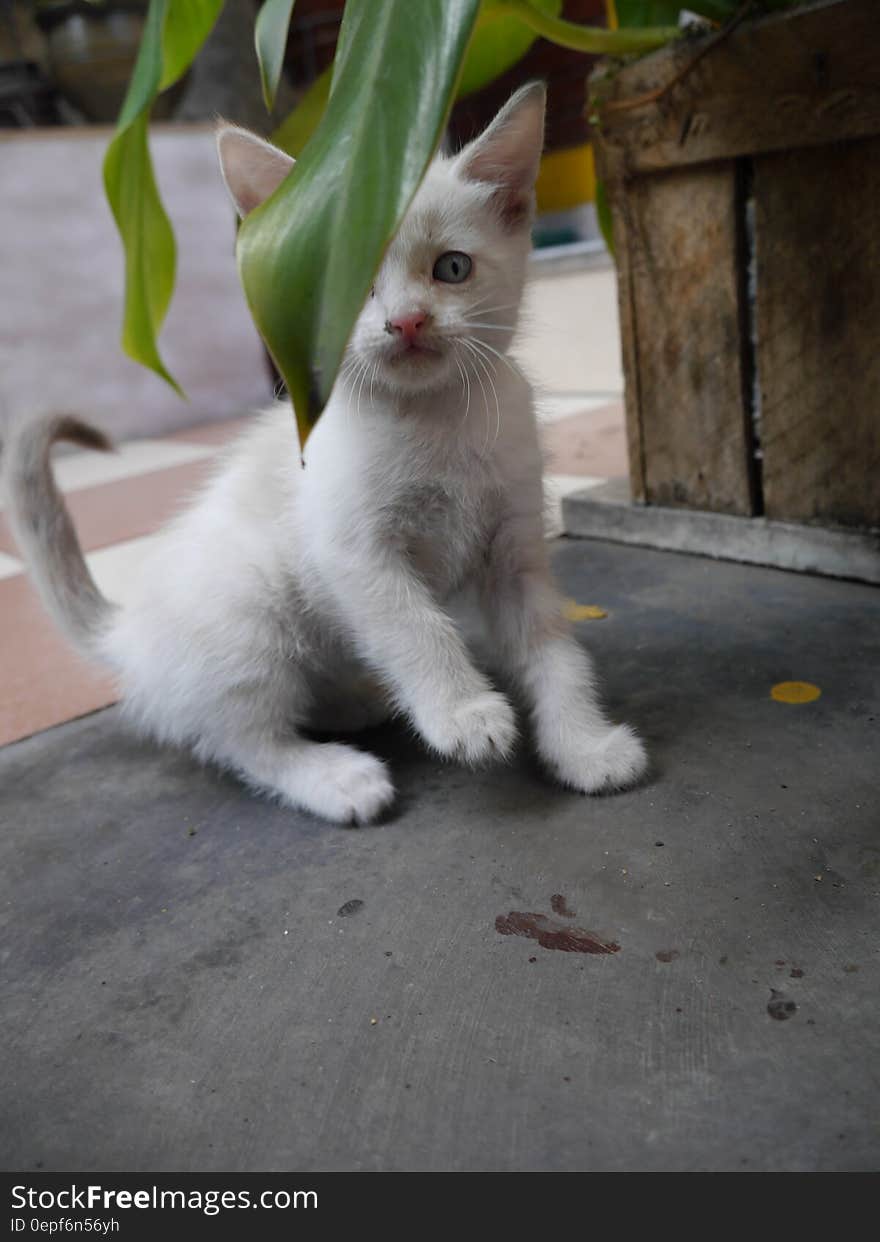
119 500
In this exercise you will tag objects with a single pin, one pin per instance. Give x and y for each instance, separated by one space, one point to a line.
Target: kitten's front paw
613 760
352 787
480 729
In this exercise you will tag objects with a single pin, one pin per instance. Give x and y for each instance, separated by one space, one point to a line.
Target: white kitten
289 598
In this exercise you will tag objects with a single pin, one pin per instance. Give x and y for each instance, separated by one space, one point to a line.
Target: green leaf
173 32
298 126
594 39
150 255
308 255
498 43
144 84
270 37
187 24
665 12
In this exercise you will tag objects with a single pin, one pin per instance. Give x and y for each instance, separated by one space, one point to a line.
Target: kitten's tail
44 532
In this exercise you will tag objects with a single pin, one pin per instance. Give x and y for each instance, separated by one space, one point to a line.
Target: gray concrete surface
608 512
183 992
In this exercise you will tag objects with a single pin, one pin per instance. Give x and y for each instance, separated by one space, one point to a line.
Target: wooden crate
746 209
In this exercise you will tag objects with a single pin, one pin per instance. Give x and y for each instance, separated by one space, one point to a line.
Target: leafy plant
173 33
363 135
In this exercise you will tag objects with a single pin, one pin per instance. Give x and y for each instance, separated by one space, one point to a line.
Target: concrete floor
192 984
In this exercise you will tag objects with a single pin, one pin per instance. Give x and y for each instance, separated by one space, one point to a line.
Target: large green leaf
297 128
174 30
498 42
308 255
270 37
504 32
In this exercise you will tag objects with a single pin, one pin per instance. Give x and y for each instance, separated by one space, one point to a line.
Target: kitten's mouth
412 351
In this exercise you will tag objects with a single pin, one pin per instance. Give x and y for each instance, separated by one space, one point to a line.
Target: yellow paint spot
573 611
795 692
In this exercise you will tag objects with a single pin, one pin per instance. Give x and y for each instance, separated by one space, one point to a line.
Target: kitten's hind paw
480 729
614 759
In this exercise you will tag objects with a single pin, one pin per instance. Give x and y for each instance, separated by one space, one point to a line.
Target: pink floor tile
42 681
591 443
212 433
113 512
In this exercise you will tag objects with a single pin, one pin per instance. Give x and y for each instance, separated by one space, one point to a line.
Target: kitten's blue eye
452 267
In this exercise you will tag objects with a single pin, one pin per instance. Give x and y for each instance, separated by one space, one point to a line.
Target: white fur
287 598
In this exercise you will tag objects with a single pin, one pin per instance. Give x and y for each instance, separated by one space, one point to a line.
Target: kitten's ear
508 153
252 168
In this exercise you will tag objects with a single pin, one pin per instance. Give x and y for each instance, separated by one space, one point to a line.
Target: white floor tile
551 407
89 469
555 487
116 568
570 339
562 484
9 566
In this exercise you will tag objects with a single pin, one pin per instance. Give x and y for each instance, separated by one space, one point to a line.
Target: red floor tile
42 681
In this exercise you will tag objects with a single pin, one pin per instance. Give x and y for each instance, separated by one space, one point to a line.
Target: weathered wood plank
787 80
628 348
683 368
818 251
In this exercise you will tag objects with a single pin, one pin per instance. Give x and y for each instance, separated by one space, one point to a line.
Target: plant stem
585 38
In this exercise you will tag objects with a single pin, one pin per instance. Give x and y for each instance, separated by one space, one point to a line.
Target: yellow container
566 179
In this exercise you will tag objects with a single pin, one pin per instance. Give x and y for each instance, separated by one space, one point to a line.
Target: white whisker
364 372
489 310
481 345
465 376
479 301
481 359
479 378
492 350
465 385
497 403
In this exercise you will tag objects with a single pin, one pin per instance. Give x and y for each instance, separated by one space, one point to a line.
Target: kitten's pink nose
408 326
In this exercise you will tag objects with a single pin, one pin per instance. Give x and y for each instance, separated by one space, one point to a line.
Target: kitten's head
446 298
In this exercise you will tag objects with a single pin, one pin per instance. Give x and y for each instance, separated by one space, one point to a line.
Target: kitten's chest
443 529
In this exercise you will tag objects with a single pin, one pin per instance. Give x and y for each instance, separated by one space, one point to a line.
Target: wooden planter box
746 209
